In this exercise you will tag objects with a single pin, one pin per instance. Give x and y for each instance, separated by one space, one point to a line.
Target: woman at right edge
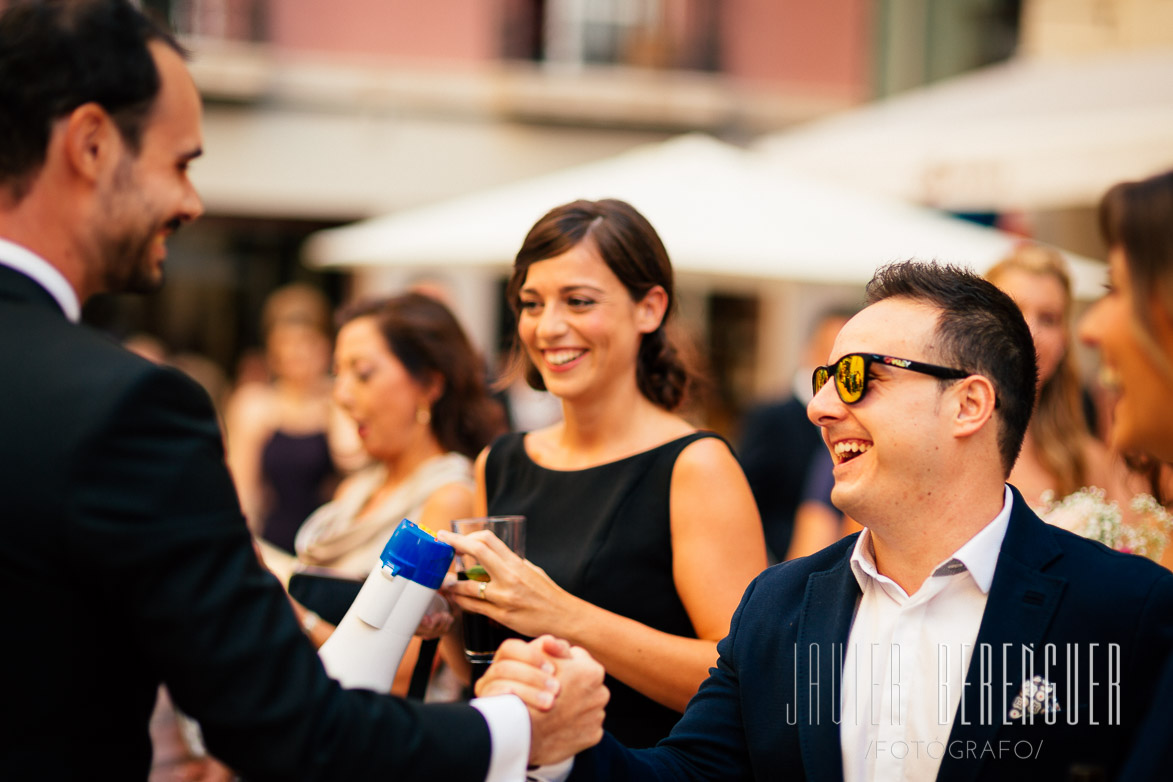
642 532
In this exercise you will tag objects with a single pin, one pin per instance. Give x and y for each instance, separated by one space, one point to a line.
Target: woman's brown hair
426 338
633 251
1136 217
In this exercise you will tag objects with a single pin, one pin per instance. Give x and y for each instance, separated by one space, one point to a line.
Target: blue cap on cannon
414 553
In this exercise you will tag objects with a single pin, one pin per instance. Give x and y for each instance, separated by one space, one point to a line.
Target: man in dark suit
958 637
126 561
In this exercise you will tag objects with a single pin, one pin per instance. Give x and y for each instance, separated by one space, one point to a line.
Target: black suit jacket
126 563
769 708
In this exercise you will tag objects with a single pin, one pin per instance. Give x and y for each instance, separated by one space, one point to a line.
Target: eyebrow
568 288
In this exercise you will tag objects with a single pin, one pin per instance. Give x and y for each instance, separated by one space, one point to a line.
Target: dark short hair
633 251
57 55
426 338
980 330
1137 217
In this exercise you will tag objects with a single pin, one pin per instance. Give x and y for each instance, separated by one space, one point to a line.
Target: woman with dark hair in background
1132 325
642 533
408 376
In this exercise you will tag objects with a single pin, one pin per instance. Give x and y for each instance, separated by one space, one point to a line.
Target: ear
649 311
90 141
975 399
434 388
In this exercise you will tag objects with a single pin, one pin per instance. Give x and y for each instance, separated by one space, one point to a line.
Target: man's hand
561 685
437 620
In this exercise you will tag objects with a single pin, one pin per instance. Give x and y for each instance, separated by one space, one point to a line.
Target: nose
342 394
552 322
826 407
1090 325
192 205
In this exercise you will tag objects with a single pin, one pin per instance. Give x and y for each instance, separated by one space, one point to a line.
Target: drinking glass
483 635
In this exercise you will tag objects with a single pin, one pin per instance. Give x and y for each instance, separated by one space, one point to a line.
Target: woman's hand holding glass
518 594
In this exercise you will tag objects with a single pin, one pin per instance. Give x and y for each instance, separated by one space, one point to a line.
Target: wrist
309 620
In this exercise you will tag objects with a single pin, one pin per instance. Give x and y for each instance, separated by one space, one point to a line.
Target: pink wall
461 30
823 44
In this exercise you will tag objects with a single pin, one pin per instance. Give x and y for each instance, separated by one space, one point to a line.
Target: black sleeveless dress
604 535
299 471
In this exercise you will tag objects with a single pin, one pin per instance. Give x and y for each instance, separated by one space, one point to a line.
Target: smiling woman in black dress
642 532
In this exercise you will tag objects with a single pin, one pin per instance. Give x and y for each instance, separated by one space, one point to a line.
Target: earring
423 415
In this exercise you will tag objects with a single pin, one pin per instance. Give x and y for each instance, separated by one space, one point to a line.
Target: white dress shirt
509 731
506 715
907 656
44 274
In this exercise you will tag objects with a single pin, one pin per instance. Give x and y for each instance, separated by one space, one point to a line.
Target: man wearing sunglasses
958 637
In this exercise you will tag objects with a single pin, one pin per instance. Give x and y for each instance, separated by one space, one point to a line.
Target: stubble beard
130 266
128 256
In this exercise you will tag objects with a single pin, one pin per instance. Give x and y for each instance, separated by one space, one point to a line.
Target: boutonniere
1037 697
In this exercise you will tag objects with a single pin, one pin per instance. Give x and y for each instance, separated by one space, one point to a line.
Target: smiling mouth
562 357
846 450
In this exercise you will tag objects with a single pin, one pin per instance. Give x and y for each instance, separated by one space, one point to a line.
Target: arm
664 667
711 740
817 523
451 501
173 563
247 426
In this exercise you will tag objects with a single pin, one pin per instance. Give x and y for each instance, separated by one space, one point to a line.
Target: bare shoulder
250 405
450 501
704 455
450 495
707 471
479 465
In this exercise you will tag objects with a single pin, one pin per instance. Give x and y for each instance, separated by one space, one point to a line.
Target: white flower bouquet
1087 512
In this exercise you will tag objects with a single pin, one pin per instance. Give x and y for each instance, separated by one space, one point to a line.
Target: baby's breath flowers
1087 512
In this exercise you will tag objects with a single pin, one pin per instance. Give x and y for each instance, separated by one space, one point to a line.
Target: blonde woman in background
1059 454
277 432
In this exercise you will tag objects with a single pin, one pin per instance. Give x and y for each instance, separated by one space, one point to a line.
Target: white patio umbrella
720 212
1022 135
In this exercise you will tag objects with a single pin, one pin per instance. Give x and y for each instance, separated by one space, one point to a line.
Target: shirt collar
979 554
44 274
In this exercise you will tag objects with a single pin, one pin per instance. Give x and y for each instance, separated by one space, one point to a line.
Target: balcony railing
229 20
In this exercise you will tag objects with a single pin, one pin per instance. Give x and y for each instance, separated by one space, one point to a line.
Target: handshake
562 687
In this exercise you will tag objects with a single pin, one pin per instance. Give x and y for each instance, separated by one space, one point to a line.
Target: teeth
1109 378
852 447
560 357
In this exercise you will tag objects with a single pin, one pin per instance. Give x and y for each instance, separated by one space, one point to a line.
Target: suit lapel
1019 610
828 610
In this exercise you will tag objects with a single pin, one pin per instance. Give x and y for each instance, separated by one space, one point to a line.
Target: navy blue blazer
769 709
126 563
